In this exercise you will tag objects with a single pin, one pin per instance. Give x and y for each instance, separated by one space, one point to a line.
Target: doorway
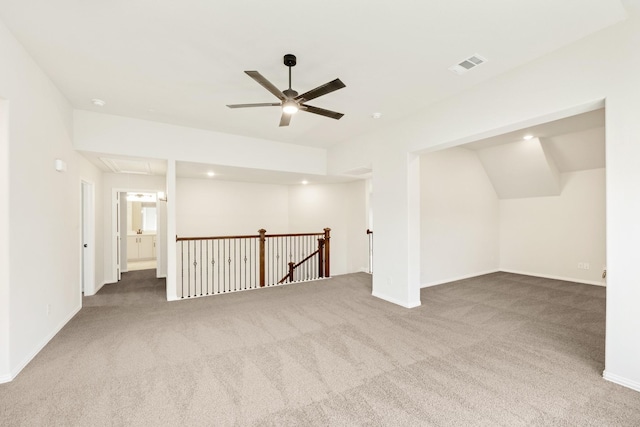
141 213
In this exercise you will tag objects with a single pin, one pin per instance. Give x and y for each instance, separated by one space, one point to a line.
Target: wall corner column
172 270
396 212
5 368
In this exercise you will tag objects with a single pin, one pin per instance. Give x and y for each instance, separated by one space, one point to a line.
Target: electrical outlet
48 309
586 265
581 266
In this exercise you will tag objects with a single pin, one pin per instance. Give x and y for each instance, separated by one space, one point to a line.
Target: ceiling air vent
469 63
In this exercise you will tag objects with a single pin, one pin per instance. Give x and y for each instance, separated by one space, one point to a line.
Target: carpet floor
500 349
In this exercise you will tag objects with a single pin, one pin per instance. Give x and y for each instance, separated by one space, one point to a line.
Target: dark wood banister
293 266
323 243
178 239
324 268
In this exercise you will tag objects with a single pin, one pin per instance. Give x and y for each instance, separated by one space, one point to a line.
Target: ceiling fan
290 101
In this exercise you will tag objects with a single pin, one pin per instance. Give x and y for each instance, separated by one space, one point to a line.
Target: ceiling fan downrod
290 61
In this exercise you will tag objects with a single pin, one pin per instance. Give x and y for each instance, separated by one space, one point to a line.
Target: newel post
291 269
320 257
262 232
327 236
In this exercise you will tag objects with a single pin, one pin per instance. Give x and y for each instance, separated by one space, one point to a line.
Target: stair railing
221 264
321 256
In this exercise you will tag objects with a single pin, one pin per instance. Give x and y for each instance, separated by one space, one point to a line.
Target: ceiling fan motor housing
290 60
290 93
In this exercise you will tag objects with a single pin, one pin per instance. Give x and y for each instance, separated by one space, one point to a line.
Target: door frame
115 243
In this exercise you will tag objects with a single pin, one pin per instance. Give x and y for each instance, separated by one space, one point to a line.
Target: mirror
141 213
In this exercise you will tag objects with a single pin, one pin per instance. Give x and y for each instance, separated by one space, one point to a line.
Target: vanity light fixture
141 197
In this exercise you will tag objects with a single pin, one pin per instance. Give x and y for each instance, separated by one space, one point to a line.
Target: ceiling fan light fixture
289 100
290 107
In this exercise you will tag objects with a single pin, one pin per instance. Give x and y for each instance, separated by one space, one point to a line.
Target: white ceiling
530 168
574 143
182 61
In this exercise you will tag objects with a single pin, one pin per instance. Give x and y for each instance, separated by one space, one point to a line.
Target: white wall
340 207
459 217
357 214
217 208
43 207
123 182
4 243
103 133
568 81
209 207
549 236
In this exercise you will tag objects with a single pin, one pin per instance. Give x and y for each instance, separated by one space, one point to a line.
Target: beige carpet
501 349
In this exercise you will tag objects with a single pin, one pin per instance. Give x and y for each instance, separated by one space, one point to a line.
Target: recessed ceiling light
376 115
210 173
98 102
305 182
527 137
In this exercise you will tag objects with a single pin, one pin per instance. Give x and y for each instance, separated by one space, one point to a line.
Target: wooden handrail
293 266
295 235
178 239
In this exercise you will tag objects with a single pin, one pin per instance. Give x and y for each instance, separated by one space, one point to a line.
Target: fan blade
321 90
285 119
264 104
266 84
321 111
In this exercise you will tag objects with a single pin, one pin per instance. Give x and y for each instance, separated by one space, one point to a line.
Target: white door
88 251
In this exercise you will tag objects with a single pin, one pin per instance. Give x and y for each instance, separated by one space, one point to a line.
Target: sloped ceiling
520 168
577 151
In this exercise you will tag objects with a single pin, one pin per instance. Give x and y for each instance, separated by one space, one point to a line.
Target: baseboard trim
5 378
455 279
412 304
96 290
99 287
617 379
547 276
38 349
